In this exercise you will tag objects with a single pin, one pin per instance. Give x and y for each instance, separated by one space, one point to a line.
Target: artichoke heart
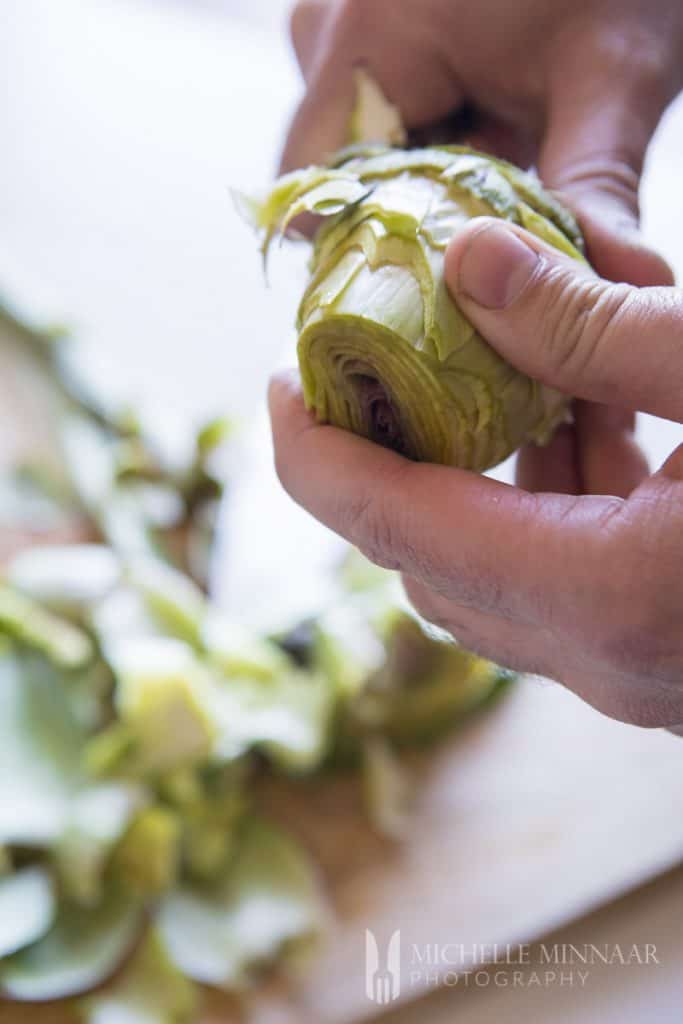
383 349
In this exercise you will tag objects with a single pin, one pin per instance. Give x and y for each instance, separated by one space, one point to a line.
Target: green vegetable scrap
136 718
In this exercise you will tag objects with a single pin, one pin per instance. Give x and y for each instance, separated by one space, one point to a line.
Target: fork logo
382 983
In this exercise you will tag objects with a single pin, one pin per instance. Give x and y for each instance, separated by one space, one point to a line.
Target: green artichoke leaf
27 908
402 681
288 717
387 791
149 990
326 200
426 683
161 701
267 899
68 578
237 651
148 857
30 625
40 751
82 949
99 815
173 600
211 803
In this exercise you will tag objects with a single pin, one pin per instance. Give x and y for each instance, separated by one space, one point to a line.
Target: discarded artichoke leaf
148 857
40 751
386 788
98 817
161 701
383 349
211 436
27 497
267 899
173 600
288 718
238 651
82 949
425 685
149 990
27 908
92 456
66 578
211 818
31 626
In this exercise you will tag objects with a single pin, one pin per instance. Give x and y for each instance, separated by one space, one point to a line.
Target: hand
575 87
584 589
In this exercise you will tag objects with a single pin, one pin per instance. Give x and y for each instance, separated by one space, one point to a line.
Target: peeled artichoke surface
383 349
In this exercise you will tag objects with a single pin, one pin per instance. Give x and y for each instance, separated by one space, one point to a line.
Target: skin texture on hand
577 573
586 589
575 86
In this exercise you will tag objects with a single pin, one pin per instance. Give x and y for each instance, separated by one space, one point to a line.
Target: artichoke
383 349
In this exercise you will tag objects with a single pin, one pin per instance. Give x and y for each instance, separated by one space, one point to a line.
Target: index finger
406 54
482 543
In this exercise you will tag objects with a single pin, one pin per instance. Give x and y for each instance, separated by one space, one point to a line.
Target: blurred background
124 125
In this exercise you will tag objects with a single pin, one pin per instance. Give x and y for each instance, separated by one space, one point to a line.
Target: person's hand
576 88
584 589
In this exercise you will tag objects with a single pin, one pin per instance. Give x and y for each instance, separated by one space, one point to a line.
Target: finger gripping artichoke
383 349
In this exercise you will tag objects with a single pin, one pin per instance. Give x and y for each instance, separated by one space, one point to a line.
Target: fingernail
495 267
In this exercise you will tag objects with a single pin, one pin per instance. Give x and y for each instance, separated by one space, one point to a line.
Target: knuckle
641 637
579 319
612 172
371 528
373 522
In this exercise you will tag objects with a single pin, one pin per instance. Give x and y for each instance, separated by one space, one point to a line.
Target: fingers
602 112
552 318
515 645
596 454
306 24
558 656
609 458
406 53
553 467
476 541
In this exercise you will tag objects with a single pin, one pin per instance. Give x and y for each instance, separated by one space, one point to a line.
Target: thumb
552 318
603 111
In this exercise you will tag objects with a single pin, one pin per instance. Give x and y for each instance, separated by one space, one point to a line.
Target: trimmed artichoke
383 350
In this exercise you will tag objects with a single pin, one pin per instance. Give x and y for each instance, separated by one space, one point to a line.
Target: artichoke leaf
149 990
40 749
30 625
98 816
267 899
67 578
288 717
82 949
27 908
